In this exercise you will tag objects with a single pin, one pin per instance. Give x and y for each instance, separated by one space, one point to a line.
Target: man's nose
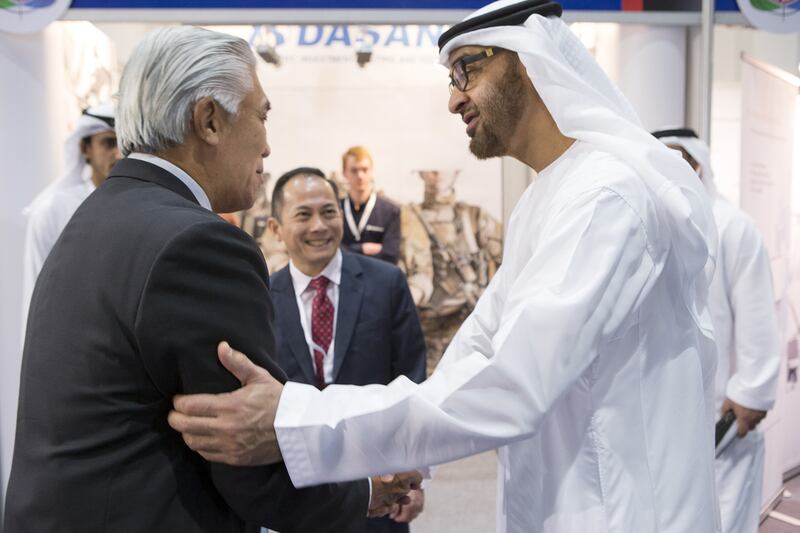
457 101
266 152
317 223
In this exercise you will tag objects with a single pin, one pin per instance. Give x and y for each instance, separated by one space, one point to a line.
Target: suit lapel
288 317
351 291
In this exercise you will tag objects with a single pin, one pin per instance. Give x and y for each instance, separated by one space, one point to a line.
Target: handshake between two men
237 428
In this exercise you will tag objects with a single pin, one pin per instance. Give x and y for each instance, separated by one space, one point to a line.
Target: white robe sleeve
755 381
522 350
41 234
475 334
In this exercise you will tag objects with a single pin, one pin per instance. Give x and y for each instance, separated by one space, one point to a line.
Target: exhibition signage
28 16
25 16
769 98
417 5
779 16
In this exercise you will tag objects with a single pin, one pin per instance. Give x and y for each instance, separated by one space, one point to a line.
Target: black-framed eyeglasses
459 76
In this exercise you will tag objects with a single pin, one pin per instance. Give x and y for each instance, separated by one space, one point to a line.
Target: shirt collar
186 179
333 271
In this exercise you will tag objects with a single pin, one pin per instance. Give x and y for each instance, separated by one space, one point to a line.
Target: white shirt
304 296
579 361
742 306
179 173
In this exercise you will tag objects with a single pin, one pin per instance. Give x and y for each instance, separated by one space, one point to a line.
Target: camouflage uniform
449 250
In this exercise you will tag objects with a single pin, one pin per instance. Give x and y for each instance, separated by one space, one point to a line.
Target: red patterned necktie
321 325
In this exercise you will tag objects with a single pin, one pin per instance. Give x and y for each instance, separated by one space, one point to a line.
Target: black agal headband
108 120
675 132
513 15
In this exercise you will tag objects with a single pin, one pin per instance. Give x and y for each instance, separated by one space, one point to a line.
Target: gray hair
168 72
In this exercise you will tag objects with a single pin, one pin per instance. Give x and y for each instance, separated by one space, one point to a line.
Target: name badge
379 229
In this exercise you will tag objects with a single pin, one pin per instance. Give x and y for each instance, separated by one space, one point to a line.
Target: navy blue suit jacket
378 336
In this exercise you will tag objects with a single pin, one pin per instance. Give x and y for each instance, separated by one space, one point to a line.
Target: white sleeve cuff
751 399
292 404
369 480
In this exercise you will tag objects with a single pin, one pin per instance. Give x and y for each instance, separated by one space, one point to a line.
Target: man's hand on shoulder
235 428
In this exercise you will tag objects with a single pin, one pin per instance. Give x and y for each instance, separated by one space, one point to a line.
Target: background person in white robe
89 153
743 311
589 360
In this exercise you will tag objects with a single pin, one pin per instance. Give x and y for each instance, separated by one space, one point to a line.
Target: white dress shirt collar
186 179
333 271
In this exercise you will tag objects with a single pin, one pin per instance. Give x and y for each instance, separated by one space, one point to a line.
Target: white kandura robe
580 361
742 308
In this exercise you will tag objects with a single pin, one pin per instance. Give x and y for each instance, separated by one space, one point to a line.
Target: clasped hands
397 495
237 428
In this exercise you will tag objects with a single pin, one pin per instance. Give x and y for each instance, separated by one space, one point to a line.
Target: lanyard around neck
356 229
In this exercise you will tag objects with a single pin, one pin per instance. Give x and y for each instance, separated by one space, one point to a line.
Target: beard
499 116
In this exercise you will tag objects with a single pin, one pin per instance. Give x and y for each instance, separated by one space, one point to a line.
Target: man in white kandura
589 360
89 153
742 307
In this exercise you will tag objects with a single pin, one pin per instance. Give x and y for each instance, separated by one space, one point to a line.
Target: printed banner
418 5
768 110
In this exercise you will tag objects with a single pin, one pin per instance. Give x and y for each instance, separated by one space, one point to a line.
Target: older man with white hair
589 360
742 305
127 310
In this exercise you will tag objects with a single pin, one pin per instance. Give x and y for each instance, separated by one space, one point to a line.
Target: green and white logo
780 16
28 16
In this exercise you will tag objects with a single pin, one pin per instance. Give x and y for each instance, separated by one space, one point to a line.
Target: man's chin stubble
486 148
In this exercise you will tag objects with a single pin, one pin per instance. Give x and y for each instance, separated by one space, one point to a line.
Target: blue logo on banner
25 5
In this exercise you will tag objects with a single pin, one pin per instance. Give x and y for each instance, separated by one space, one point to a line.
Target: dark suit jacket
383 227
378 335
127 312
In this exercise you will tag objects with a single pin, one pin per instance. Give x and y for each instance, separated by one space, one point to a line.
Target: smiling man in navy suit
340 317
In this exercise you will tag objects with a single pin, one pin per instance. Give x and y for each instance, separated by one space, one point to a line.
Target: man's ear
207 120
85 142
274 226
